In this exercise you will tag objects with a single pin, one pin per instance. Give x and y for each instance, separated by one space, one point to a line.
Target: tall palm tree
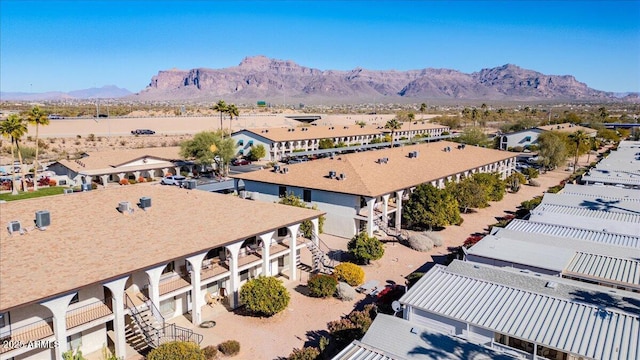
579 137
37 117
14 128
393 125
232 111
220 107
423 108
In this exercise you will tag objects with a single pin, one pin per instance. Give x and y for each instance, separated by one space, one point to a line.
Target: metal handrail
141 322
36 330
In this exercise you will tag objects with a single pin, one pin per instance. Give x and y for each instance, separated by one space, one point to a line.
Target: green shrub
350 273
184 350
531 173
229 347
322 285
307 353
413 278
210 352
264 296
365 248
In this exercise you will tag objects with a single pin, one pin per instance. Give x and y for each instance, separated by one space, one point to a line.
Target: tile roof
548 317
365 176
89 241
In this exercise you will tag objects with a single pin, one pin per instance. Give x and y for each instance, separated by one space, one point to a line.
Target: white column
266 248
315 225
385 208
105 179
371 202
196 294
293 249
58 308
234 278
399 208
117 291
154 284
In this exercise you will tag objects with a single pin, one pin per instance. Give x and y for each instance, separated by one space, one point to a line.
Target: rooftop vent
332 174
343 176
276 168
15 227
145 202
413 154
125 207
383 160
43 219
551 284
285 170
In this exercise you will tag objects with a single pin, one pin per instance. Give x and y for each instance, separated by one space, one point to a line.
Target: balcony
37 330
174 281
87 313
213 267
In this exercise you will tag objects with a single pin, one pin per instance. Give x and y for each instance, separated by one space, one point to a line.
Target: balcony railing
213 267
34 331
87 313
174 282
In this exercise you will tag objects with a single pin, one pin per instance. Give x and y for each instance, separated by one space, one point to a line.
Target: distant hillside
105 92
262 78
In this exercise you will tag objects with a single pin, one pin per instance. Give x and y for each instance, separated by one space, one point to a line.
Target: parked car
142 132
173 180
237 162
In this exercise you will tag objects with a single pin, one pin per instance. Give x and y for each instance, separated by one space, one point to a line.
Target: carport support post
234 279
293 263
58 308
117 290
266 247
196 295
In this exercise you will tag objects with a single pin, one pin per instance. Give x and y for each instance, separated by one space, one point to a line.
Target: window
5 329
240 142
74 341
282 232
306 195
527 138
244 275
282 191
250 142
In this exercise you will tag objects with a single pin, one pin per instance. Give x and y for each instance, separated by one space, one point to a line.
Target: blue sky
71 45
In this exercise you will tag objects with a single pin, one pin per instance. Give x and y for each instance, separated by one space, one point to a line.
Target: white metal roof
605 192
605 204
560 230
359 351
622 223
566 322
625 272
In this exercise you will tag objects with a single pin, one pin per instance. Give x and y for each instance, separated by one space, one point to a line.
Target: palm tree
220 107
423 108
37 117
393 125
232 110
579 137
14 128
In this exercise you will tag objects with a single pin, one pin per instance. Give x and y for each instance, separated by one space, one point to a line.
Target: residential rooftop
568 128
90 241
365 175
594 202
555 312
604 192
111 159
594 219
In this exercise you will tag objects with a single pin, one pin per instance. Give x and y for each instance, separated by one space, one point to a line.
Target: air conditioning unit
85 187
145 202
276 168
14 226
43 219
332 174
68 191
411 155
124 207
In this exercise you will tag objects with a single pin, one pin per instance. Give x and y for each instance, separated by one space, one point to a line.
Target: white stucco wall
518 138
246 137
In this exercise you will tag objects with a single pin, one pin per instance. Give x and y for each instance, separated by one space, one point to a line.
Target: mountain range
284 81
105 92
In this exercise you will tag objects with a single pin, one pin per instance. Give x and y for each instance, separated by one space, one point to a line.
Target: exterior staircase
146 328
399 234
323 262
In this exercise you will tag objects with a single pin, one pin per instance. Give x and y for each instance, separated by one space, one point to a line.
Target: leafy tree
326 144
430 207
469 194
14 128
264 296
553 151
393 125
453 122
423 108
232 110
608 134
473 136
208 148
603 113
365 248
581 142
306 227
37 117
306 353
322 285
176 350
220 107
257 152
350 273
492 184
531 173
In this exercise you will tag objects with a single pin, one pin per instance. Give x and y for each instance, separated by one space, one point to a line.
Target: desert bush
264 296
185 350
322 285
364 248
91 137
534 183
531 173
472 240
435 237
210 352
124 182
345 292
306 353
133 181
229 347
420 242
350 273
354 326
413 278
141 179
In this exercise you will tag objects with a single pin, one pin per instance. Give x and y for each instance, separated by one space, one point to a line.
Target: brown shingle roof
567 127
114 158
89 241
364 176
313 132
